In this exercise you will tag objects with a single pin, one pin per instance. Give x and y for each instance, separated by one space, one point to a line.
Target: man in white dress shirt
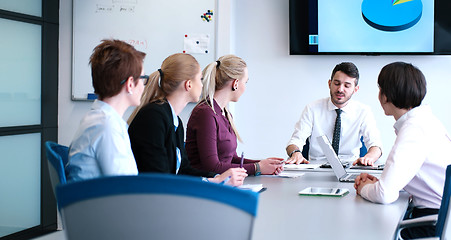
419 157
319 117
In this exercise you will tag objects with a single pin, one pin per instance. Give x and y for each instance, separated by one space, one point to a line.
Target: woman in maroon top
211 135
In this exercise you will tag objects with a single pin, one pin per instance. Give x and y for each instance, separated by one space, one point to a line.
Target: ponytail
216 75
174 70
152 92
209 88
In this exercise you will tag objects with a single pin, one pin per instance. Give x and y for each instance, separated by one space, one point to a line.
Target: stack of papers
286 174
300 166
252 187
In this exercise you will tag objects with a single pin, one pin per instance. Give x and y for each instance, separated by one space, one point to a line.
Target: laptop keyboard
352 176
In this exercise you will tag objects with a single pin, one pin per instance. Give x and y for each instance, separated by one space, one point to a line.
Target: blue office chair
57 156
306 147
440 220
155 206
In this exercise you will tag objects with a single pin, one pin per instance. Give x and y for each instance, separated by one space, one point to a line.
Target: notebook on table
337 166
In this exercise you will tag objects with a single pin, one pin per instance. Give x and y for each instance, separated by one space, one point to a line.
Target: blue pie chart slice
392 15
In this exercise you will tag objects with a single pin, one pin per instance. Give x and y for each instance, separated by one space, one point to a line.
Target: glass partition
20 182
20 92
29 7
29 32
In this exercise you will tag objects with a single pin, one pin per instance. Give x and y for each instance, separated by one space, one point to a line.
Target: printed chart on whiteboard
158 28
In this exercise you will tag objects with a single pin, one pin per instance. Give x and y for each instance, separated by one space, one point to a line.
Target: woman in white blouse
420 155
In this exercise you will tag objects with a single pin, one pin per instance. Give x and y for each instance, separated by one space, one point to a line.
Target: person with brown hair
211 136
419 157
343 120
156 132
101 146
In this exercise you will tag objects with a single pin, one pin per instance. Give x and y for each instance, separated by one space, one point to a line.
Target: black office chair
441 220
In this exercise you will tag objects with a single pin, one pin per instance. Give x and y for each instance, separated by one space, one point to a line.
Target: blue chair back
443 226
57 156
155 206
306 147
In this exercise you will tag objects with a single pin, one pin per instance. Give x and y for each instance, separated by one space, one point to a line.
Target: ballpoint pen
242 159
226 180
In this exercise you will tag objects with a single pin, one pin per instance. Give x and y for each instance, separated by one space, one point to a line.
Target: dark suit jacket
154 140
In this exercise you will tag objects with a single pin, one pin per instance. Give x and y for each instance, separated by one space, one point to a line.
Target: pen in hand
242 159
226 180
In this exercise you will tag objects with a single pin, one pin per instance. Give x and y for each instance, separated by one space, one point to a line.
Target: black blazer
154 140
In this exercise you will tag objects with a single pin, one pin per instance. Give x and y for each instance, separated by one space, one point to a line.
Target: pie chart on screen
392 15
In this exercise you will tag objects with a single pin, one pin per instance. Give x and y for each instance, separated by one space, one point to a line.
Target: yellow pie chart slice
400 1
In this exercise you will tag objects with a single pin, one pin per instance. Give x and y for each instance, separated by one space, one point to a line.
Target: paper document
196 43
285 174
300 166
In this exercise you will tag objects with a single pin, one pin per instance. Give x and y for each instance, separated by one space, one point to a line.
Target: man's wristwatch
257 169
297 150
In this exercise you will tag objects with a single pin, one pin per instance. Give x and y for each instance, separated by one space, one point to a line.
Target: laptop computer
334 161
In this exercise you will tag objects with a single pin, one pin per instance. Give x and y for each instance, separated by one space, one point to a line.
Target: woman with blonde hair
211 136
156 132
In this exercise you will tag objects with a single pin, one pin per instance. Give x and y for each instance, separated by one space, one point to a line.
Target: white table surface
283 214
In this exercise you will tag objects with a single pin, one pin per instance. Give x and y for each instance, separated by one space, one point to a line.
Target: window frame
48 127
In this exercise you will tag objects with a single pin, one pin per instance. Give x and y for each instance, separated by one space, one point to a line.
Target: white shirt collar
347 108
416 111
108 109
175 119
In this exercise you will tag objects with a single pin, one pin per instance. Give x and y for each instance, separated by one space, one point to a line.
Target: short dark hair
113 61
403 84
347 68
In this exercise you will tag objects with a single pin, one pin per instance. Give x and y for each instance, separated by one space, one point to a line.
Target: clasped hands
363 180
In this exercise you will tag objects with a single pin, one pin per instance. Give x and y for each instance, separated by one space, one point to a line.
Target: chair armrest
429 220
417 222
429 238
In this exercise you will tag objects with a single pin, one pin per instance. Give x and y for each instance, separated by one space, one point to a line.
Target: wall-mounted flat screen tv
370 27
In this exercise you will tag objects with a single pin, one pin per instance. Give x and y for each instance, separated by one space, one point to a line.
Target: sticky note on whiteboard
196 43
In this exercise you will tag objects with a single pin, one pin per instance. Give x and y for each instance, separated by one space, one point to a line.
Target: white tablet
317 191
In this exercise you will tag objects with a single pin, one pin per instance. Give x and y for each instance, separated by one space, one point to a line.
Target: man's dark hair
347 68
403 84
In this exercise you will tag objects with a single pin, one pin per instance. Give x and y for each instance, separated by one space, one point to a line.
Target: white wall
280 85
69 112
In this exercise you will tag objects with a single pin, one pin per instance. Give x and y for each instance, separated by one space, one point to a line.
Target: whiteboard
157 27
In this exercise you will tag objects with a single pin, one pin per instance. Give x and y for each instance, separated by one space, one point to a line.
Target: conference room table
284 214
